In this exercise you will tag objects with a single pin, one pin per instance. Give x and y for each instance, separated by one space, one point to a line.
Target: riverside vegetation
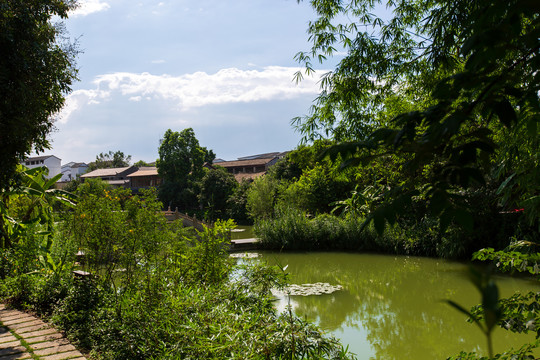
423 140
157 290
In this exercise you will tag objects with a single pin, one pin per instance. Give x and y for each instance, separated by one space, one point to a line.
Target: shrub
175 296
292 229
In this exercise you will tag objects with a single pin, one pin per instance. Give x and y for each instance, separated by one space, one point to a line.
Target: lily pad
309 289
244 255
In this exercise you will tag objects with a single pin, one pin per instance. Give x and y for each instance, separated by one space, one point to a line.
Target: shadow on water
392 307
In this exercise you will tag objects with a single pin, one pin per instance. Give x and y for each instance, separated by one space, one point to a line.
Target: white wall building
72 169
50 161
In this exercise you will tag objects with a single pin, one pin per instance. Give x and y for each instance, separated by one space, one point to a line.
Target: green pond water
392 307
242 232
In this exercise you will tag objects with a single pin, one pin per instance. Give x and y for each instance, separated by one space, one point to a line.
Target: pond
242 232
392 307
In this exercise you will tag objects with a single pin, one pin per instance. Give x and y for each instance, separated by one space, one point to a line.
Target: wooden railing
186 220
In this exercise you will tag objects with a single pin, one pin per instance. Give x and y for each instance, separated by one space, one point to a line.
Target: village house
144 178
116 177
251 167
71 170
51 162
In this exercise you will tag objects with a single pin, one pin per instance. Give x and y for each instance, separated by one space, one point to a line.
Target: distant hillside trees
110 160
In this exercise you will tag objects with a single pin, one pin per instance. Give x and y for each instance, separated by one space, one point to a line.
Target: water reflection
392 307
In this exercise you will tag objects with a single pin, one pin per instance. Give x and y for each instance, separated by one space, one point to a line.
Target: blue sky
224 68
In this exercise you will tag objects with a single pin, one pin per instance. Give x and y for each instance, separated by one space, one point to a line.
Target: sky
223 68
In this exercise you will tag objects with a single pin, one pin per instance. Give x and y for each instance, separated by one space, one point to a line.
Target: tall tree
110 160
217 185
180 165
470 70
37 68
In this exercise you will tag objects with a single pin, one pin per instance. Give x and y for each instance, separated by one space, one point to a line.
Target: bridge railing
186 219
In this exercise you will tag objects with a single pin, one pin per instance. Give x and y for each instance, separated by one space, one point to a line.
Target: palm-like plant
28 203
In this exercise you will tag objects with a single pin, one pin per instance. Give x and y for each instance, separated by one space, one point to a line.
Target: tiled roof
260 156
34 158
235 163
145 171
105 172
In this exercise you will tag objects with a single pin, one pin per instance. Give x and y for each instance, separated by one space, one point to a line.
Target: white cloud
87 7
80 98
199 89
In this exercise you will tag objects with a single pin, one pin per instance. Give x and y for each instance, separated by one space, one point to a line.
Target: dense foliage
217 186
110 160
37 68
445 96
156 290
180 165
456 105
424 142
27 209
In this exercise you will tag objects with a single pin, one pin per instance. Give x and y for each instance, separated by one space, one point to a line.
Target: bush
292 229
156 292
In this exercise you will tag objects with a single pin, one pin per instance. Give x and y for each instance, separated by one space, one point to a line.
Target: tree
217 185
180 165
237 204
261 197
141 163
110 160
37 68
470 69
315 190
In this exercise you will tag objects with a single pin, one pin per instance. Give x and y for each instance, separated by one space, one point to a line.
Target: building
117 177
51 162
71 170
251 167
144 178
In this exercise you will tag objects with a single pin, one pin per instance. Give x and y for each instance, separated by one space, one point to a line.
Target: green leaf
490 303
466 312
52 181
504 184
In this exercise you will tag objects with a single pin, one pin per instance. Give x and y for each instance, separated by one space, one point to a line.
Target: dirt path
23 336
